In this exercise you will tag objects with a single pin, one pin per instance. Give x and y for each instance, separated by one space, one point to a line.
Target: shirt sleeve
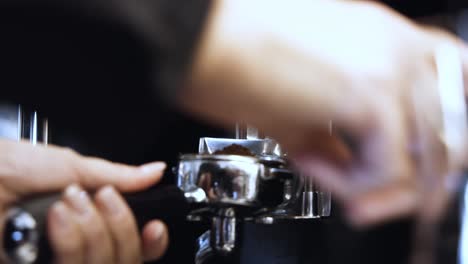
172 27
180 23
56 51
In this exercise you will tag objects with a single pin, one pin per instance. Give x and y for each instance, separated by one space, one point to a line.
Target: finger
121 224
383 145
26 169
155 240
96 237
383 156
382 205
326 144
95 173
64 235
326 175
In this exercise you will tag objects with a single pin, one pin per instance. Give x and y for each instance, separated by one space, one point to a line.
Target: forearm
216 85
251 61
223 82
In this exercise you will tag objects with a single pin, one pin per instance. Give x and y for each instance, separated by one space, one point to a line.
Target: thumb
27 169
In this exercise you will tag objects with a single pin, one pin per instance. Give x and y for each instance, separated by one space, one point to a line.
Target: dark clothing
76 48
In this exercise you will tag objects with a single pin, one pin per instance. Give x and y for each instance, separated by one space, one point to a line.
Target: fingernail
158 231
108 198
60 215
78 199
154 167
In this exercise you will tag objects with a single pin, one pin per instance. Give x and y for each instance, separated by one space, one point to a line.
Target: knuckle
68 154
74 162
71 166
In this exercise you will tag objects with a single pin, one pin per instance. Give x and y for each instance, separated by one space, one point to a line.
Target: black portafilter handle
25 238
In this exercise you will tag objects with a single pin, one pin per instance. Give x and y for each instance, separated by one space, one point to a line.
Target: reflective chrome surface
10 117
221 239
315 202
17 123
228 180
223 231
204 250
260 147
230 188
309 203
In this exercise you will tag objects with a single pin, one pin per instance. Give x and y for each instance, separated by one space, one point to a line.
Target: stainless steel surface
221 239
223 231
10 122
261 147
33 128
204 251
225 180
226 183
248 132
324 203
316 202
307 209
309 202
16 123
45 131
230 188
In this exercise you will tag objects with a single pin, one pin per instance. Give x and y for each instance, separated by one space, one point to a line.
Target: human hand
292 68
83 229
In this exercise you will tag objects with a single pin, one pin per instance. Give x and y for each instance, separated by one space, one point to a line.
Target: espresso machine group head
246 179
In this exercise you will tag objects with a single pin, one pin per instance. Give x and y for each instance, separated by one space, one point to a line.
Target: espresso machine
246 179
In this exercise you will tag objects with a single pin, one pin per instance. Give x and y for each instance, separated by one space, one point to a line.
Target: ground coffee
235 149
